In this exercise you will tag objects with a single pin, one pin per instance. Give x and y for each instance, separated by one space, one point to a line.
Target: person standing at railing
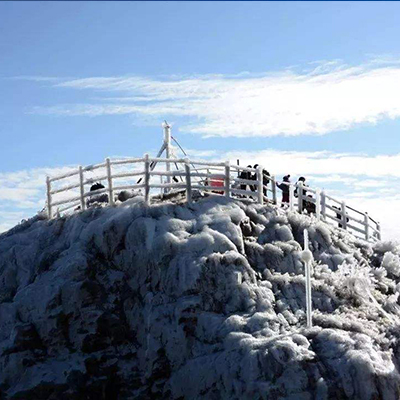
303 181
96 197
253 177
284 186
339 216
309 206
265 175
247 176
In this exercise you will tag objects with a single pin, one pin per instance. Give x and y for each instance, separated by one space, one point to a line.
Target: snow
391 262
197 301
306 256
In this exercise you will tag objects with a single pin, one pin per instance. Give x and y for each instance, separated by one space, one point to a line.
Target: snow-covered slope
201 301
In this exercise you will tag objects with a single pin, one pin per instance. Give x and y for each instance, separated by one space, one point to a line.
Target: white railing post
273 183
378 227
49 208
260 184
109 180
167 142
188 181
81 188
323 205
318 204
343 215
291 197
227 179
366 225
146 179
300 196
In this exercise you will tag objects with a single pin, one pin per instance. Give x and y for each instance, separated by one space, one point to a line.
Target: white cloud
197 154
35 78
324 164
26 189
384 209
331 97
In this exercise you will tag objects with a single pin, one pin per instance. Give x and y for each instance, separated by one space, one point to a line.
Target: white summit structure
145 176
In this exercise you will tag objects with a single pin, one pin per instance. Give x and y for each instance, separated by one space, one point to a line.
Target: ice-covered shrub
391 262
355 282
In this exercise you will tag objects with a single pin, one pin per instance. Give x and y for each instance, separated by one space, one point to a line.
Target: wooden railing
220 178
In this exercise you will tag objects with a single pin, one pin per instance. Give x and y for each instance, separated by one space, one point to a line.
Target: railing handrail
216 172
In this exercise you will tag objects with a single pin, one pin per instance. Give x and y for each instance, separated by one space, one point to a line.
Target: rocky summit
199 301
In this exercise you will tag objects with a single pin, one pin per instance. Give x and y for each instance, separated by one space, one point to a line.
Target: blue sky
304 87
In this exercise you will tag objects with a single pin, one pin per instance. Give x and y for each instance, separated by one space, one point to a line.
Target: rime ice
201 301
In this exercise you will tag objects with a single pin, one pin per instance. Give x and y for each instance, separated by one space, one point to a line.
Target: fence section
77 189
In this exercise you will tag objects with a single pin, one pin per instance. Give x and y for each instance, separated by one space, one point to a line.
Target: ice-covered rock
200 301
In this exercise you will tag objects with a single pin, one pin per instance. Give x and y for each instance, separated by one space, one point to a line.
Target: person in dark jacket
245 175
96 186
254 178
284 186
97 198
339 215
303 180
266 176
309 206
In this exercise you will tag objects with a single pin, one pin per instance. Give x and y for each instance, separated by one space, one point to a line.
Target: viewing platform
151 176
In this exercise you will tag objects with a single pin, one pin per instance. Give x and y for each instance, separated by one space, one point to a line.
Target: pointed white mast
167 145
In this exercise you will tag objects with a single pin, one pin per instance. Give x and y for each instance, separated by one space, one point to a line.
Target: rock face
201 301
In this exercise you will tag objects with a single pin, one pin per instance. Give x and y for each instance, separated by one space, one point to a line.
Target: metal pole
343 215
300 195
227 180
291 197
260 184
318 204
366 225
307 258
81 188
49 208
147 179
109 180
323 205
188 181
378 227
273 183
167 143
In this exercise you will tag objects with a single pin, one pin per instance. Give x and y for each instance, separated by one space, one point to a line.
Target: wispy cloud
26 189
323 163
330 97
35 78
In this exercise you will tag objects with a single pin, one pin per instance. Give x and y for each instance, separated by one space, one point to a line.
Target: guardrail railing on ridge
219 178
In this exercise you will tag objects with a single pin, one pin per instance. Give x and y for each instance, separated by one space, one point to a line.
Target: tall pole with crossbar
167 144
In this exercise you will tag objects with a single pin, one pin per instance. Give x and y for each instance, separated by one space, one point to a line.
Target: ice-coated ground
201 301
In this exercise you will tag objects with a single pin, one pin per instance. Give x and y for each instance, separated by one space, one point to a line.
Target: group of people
309 206
283 186
253 177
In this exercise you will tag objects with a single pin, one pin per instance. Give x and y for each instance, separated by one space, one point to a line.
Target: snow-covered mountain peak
195 301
